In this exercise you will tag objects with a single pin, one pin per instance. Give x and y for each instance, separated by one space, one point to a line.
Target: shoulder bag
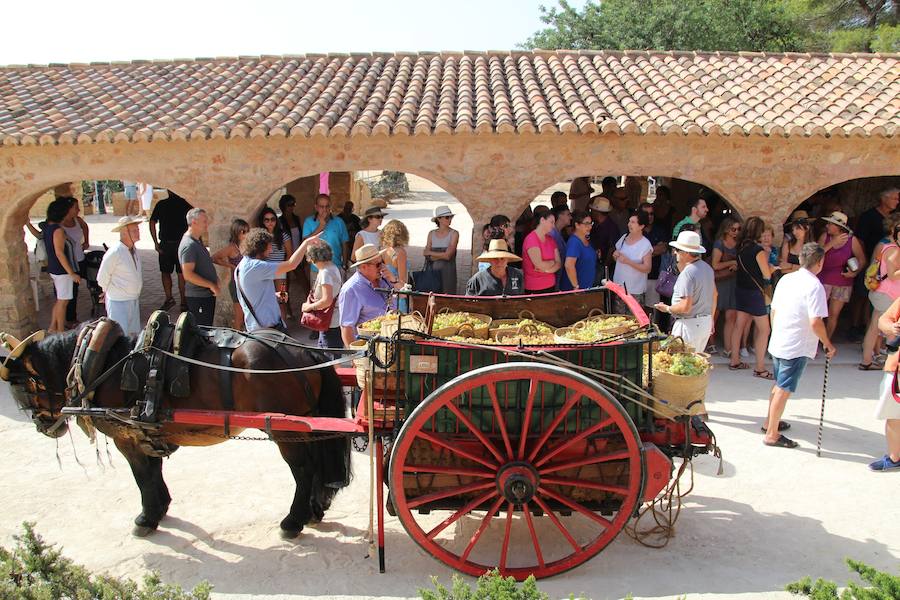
318 319
428 279
668 274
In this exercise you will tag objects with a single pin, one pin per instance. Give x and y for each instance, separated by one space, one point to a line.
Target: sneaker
744 353
884 464
169 303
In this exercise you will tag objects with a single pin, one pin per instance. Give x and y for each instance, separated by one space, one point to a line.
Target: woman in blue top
395 238
581 260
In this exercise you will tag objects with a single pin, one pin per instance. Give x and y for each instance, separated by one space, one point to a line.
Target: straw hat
366 254
441 211
374 211
688 241
837 218
126 221
17 349
497 249
600 204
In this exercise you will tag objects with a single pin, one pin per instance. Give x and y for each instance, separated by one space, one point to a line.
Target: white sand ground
773 516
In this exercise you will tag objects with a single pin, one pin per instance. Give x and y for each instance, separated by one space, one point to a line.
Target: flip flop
764 374
868 367
782 442
738 367
782 426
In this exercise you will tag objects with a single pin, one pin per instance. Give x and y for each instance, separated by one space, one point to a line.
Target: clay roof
339 95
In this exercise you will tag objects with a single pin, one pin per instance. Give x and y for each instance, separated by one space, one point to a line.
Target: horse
37 371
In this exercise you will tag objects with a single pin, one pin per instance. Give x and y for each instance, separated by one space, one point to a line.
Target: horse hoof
142 531
290 534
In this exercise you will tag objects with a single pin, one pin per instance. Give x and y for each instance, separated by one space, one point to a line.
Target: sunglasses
735 228
585 222
269 220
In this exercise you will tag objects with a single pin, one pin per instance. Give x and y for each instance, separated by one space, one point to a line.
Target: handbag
767 289
668 274
874 276
428 279
318 319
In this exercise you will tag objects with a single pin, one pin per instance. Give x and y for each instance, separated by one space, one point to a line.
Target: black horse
37 373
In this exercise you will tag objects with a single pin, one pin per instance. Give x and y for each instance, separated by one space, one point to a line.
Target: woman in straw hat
499 279
440 248
844 260
369 234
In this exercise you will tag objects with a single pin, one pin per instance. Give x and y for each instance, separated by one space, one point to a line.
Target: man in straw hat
695 296
121 278
360 300
604 233
499 279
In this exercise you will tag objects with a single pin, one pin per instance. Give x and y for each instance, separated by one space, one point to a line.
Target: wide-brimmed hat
126 221
497 249
689 241
441 211
374 211
16 349
837 218
366 254
600 204
800 215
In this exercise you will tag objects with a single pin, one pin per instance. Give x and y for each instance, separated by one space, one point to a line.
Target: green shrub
390 185
35 570
490 586
883 586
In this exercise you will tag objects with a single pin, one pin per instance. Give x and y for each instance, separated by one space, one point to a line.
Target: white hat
126 221
837 218
441 211
365 254
689 241
600 204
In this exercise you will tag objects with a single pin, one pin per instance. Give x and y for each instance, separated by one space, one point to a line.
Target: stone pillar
18 315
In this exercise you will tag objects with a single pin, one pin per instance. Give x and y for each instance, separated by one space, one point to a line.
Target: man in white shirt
798 310
120 276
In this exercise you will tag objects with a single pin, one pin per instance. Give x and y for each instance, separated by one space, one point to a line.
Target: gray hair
319 253
888 192
811 254
193 214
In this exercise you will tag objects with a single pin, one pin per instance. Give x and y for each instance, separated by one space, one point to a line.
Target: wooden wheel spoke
501 420
584 483
505 548
458 514
574 506
456 449
571 441
453 491
590 460
482 527
475 431
447 470
554 424
531 532
562 528
526 418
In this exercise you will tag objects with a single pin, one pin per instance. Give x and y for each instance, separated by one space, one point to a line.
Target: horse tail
333 461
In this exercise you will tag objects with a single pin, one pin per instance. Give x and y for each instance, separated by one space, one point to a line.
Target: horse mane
52 358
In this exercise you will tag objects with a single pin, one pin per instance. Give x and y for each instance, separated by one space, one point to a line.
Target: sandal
868 366
782 426
782 442
764 374
738 367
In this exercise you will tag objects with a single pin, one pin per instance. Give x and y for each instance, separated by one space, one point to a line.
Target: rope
267 338
200 363
822 409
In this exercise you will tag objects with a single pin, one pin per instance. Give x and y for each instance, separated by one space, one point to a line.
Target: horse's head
36 376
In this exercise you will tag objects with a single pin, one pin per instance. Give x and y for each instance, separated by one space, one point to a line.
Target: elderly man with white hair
695 296
201 279
120 276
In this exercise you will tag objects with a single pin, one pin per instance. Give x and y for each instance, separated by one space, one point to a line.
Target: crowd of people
712 279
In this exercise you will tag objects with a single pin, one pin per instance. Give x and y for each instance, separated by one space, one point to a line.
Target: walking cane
822 410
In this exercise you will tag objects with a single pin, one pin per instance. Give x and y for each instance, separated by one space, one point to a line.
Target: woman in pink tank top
888 289
844 260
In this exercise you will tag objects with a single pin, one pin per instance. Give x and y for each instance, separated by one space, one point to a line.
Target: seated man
360 300
499 279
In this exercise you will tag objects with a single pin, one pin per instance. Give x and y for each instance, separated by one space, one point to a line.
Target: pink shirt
533 279
886 286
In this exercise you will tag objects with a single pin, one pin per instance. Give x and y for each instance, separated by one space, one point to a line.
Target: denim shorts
788 372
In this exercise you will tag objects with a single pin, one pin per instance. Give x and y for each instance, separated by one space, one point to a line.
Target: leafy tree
856 25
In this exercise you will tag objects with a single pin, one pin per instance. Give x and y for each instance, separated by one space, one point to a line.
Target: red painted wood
278 421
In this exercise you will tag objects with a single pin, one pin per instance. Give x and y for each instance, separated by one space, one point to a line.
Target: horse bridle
28 395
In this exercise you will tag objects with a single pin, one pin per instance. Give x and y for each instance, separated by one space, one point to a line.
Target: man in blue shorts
798 309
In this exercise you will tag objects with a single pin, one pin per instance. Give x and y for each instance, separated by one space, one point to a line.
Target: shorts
131 192
750 302
841 293
168 257
880 301
788 372
888 407
694 331
726 288
127 313
64 285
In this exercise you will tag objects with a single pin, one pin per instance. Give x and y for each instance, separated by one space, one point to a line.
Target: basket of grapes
502 327
596 329
680 377
528 334
448 324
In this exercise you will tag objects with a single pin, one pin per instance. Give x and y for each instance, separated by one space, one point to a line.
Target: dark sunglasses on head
269 220
585 222
801 223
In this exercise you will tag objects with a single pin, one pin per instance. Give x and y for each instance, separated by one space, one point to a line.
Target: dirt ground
772 517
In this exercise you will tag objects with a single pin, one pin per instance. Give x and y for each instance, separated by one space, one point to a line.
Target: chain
307 438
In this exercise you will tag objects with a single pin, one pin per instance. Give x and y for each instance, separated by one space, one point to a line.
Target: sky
55 31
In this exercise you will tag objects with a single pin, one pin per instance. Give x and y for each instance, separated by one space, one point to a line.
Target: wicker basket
385 379
480 330
503 327
681 391
563 334
513 337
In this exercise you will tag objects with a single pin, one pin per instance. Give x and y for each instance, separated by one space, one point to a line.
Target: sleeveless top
54 267
235 260
886 286
748 273
76 234
278 254
371 237
835 262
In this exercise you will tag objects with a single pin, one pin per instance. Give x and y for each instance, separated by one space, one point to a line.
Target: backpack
874 277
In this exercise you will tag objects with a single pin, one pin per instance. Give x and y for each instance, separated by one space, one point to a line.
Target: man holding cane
888 407
798 310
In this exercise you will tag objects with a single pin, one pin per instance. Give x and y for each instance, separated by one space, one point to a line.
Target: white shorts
888 407
695 332
64 286
127 313
147 201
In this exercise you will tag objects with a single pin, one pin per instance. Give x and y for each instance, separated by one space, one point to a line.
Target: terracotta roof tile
338 95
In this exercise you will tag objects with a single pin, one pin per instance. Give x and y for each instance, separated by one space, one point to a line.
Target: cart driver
499 279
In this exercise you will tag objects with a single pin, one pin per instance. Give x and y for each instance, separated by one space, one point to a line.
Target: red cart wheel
501 445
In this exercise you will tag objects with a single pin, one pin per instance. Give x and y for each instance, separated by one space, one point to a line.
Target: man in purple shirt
359 301
604 233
